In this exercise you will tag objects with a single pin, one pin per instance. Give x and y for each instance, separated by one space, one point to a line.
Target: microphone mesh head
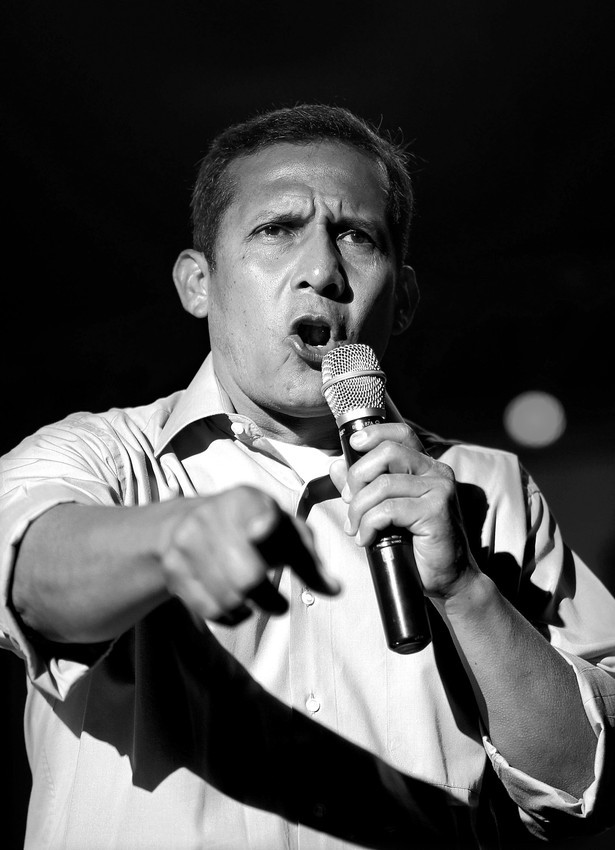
346 387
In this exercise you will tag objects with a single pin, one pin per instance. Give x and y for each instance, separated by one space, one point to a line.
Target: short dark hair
301 124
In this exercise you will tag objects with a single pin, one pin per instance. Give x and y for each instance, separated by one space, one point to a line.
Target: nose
319 267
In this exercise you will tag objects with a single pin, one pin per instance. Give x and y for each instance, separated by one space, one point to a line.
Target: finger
385 487
202 604
430 515
400 513
290 544
268 598
397 432
333 587
226 564
235 617
210 566
338 472
386 457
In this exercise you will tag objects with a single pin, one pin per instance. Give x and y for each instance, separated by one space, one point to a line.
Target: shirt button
307 597
237 428
312 704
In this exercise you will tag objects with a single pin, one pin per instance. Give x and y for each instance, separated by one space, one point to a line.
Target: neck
314 428
318 432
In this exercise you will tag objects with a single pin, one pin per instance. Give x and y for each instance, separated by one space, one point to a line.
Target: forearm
527 693
85 574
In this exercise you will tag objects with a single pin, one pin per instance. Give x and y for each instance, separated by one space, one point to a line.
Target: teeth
315 334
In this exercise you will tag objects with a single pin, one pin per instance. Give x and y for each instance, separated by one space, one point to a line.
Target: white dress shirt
300 731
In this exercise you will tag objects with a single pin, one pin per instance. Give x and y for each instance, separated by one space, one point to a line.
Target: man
190 593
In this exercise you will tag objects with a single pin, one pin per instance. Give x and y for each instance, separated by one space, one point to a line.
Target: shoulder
106 435
494 490
473 462
102 457
146 419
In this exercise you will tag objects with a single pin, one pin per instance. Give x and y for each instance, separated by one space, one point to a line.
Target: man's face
304 262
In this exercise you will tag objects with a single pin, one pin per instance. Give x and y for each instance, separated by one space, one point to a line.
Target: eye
272 231
356 237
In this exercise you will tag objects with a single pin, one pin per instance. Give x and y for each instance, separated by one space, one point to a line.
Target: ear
406 300
191 275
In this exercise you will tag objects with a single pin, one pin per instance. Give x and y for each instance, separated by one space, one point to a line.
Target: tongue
315 335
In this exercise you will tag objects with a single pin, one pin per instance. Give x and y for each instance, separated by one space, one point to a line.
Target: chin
312 413
304 410
305 403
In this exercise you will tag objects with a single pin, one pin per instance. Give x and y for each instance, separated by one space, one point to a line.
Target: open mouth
312 338
314 333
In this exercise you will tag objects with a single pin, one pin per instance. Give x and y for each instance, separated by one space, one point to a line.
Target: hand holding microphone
353 386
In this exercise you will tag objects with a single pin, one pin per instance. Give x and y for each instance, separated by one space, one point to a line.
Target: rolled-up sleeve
575 611
548 811
71 461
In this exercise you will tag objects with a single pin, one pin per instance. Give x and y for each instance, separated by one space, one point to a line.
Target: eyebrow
358 223
277 217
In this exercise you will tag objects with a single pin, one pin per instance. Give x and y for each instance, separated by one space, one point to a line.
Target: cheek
378 323
257 295
231 305
377 307
257 332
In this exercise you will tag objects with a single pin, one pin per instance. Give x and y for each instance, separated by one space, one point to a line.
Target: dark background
508 109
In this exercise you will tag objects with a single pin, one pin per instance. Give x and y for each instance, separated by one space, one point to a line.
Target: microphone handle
396 579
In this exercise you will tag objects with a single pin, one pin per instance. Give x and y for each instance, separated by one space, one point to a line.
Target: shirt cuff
47 671
549 812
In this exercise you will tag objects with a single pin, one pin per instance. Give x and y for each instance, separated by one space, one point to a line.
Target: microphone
353 386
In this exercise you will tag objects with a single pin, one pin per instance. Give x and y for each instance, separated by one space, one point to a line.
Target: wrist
471 595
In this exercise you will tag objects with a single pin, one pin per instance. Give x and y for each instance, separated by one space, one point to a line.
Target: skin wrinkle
307 265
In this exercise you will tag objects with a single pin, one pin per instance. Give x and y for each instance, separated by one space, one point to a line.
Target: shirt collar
206 398
203 397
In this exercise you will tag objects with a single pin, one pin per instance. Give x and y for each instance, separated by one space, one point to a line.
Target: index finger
289 543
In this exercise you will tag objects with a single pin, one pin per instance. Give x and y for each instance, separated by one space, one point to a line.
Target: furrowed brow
288 217
369 225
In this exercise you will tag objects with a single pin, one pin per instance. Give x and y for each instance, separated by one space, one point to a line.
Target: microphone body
395 576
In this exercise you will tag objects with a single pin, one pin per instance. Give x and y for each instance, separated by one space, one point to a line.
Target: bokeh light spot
535 419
